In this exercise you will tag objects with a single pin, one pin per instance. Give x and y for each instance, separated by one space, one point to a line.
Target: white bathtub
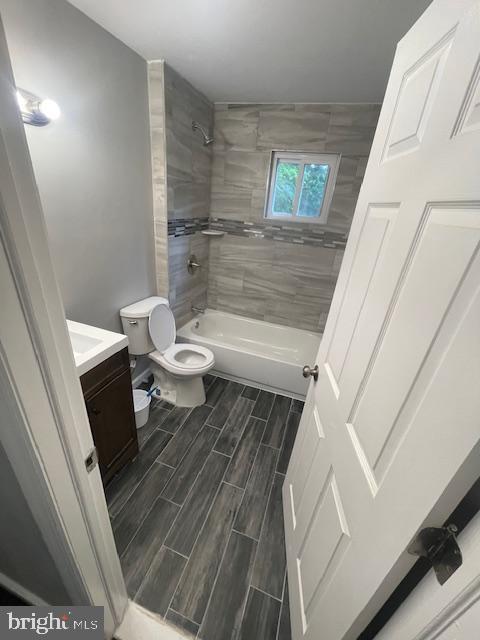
261 354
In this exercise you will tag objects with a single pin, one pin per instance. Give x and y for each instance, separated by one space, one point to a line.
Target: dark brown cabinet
107 390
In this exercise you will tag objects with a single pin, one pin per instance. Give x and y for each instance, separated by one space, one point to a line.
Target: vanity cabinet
107 389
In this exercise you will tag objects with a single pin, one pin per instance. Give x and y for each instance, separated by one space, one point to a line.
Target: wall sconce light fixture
36 111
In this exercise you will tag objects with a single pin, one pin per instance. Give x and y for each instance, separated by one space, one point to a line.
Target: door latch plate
91 460
439 545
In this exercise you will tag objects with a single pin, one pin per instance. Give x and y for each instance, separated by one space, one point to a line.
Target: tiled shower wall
189 165
281 273
181 187
284 273
156 98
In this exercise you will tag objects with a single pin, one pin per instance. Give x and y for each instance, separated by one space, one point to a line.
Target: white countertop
92 345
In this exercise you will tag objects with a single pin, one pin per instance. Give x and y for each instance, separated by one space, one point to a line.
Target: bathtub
260 354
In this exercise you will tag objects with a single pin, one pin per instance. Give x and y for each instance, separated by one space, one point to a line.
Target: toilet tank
135 324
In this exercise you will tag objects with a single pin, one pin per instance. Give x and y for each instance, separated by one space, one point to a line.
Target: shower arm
196 126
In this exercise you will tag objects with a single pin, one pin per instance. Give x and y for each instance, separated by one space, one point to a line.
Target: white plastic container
141 402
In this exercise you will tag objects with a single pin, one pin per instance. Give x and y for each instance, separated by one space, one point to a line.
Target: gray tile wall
156 96
271 280
271 271
288 281
188 174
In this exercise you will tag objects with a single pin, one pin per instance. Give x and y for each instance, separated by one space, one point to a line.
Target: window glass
315 177
285 187
301 186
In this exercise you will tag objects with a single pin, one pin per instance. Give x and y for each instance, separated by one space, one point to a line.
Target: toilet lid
161 325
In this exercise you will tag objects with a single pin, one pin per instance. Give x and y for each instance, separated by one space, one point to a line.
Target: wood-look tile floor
198 517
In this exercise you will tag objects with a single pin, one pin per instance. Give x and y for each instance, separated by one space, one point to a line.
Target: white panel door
391 425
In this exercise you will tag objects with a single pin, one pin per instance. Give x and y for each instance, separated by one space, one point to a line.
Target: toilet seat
188 356
185 359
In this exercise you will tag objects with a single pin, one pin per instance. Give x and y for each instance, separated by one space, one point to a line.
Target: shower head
206 138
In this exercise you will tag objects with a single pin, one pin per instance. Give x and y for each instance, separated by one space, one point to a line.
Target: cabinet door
112 420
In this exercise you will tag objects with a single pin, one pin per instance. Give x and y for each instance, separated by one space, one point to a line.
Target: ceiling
266 50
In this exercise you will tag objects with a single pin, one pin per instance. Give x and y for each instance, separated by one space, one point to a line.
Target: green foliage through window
285 188
315 178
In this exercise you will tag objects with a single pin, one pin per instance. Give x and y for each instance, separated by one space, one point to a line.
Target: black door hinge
439 545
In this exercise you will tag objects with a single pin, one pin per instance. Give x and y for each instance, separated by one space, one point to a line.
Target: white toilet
177 368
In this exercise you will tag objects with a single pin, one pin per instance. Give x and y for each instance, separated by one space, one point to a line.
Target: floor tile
123 484
214 567
139 504
160 583
284 627
197 505
187 471
183 439
252 510
164 404
158 412
263 405
148 540
251 393
153 422
270 563
188 628
277 421
260 620
234 426
239 468
175 418
224 615
291 429
191 597
215 391
225 404
208 380
297 406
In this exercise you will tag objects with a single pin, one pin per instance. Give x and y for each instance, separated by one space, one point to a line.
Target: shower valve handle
193 264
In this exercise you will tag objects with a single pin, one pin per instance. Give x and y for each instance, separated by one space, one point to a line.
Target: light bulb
50 109
35 111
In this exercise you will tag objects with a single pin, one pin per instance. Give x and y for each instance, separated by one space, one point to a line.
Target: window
301 186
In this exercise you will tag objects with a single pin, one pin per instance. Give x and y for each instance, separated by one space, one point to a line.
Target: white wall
93 165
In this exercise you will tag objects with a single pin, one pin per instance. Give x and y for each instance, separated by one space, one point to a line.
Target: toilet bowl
177 369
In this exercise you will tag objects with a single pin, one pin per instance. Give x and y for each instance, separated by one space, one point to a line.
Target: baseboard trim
21 592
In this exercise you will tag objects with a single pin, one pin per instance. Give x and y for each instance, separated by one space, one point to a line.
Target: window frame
303 158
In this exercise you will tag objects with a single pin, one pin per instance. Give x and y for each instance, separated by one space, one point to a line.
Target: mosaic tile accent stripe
292 233
187 226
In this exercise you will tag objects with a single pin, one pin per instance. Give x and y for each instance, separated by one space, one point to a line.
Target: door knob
310 371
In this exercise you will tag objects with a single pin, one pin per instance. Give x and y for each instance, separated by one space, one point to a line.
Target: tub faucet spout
198 309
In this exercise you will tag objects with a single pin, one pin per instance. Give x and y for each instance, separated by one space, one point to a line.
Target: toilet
177 369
